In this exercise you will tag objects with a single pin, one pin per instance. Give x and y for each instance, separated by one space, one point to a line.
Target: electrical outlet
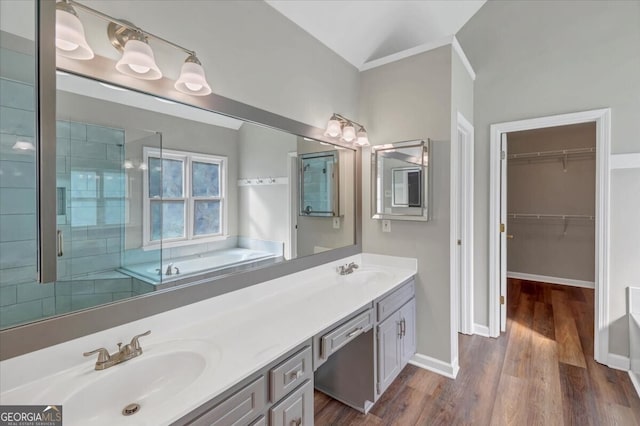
386 225
336 223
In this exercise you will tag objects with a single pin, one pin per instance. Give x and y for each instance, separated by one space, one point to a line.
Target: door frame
602 118
291 249
462 199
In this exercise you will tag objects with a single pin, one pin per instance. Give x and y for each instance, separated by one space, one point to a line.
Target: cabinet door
408 340
296 409
388 351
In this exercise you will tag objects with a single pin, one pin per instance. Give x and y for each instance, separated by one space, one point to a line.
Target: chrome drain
130 409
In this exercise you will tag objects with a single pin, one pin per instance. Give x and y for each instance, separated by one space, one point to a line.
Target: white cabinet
396 343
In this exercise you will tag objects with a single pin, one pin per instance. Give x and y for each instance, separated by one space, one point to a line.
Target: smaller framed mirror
319 184
400 173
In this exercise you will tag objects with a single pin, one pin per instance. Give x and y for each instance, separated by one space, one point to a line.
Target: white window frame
187 158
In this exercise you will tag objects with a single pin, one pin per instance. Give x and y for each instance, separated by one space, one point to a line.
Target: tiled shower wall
92 249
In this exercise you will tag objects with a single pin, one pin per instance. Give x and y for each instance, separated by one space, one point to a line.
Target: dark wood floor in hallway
540 372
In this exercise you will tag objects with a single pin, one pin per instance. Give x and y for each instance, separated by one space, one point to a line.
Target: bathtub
223 261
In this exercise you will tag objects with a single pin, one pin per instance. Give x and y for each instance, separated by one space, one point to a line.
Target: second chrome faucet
126 352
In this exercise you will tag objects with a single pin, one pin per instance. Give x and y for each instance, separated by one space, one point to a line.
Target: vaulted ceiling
362 31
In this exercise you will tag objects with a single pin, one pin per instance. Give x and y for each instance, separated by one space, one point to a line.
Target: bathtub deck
541 371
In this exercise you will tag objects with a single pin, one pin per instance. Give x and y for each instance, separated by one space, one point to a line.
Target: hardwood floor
540 372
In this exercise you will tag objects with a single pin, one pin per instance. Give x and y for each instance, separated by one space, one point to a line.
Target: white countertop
243 331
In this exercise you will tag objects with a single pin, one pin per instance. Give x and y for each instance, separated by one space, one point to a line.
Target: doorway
462 226
498 218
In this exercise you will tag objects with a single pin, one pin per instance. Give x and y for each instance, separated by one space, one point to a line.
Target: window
184 197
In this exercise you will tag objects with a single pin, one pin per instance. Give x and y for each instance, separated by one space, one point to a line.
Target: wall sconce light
70 38
340 126
137 58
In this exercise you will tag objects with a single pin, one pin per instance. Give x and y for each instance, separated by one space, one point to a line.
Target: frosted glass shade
333 128
362 138
70 39
192 80
138 61
349 133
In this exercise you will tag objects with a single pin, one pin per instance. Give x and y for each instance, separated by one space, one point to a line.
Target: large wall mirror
151 193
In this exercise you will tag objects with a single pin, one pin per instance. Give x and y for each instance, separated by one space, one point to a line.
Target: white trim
406 53
625 161
481 330
551 280
465 61
435 365
462 224
618 362
602 118
635 381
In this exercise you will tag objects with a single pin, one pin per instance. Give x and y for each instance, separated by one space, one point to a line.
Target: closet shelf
557 153
549 216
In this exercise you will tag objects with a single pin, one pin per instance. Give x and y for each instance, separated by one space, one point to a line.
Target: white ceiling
362 31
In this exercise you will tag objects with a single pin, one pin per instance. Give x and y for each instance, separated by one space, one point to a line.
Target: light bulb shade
362 139
70 39
138 61
349 133
333 128
192 80
23 145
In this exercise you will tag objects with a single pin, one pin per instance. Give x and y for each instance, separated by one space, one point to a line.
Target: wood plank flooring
540 372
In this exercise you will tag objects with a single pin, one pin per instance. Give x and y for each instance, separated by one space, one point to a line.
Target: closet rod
558 153
549 216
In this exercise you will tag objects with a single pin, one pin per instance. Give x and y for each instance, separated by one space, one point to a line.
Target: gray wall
544 246
539 58
405 100
251 53
263 209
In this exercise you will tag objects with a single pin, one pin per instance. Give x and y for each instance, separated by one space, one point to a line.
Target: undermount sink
365 275
146 386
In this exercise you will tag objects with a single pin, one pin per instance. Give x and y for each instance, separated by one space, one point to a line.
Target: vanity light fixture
192 80
137 59
340 126
70 38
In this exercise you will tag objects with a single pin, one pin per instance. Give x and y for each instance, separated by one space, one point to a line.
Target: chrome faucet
347 269
169 269
126 352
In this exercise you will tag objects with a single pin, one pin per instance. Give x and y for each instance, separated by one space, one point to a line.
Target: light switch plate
386 225
336 223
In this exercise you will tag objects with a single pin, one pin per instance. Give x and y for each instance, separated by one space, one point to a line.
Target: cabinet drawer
296 409
239 409
262 421
345 333
287 376
395 300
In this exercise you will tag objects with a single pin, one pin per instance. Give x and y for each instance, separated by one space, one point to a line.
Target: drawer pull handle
60 243
354 332
296 422
296 374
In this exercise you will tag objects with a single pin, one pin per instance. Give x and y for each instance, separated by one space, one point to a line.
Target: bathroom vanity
220 362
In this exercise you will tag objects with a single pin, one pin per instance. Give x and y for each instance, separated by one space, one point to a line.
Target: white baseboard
618 362
551 280
481 330
635 380
435 365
